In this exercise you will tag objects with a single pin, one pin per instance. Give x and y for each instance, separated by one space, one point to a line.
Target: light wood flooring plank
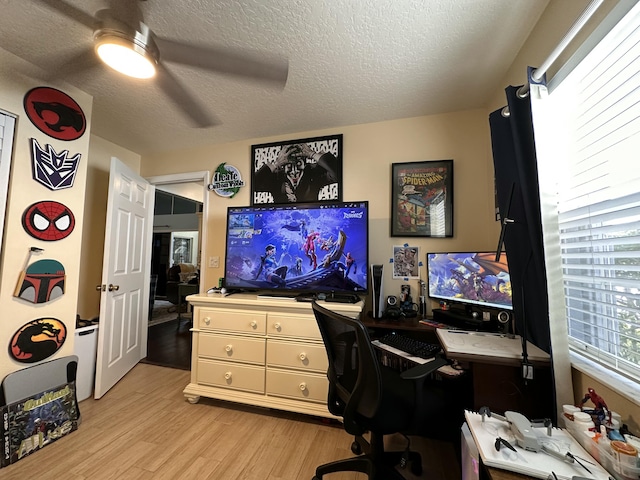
144 429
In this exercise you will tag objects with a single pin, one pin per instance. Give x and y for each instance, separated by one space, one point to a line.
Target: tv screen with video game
470 279
298 248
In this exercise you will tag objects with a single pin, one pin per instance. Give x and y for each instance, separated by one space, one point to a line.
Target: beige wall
95 203
369 151
24 191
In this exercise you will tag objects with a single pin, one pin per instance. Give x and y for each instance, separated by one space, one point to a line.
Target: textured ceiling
350 62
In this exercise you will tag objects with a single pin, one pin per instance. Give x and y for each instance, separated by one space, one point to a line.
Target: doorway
178 235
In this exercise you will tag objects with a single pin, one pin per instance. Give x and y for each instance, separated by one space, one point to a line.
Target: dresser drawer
223 347
303 326
297 355
232 320
299 386
231 375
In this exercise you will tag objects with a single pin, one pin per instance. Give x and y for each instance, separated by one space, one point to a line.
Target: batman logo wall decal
48 221
52 169
41 282
37 340
55 113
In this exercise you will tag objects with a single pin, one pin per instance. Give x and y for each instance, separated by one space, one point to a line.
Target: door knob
114 288
101 288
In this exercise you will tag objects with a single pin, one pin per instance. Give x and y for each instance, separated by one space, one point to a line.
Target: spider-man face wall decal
48 221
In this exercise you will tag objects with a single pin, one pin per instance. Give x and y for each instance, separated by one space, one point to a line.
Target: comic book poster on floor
35 422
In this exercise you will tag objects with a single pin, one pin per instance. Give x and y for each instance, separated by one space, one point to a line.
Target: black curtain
516 176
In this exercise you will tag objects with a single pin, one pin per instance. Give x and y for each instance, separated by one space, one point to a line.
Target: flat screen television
294 249
470 279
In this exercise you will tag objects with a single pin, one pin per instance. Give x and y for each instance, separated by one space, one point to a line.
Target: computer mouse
223 290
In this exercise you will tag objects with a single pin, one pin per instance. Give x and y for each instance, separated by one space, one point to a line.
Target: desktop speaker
376 291
504 318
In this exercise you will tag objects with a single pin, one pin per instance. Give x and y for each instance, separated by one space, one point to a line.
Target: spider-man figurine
600 405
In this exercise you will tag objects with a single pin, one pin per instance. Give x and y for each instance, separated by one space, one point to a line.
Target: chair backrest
355 382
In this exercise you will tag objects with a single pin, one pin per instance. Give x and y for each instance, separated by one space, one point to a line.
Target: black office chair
372 398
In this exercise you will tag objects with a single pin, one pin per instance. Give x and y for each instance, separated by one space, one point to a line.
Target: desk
480 347
499 474
494 373
537 464
495 364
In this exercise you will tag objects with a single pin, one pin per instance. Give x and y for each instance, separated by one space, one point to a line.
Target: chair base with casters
373 398
376 463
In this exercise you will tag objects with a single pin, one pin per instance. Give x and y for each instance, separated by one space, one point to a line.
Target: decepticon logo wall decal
55 113
53 170
48 221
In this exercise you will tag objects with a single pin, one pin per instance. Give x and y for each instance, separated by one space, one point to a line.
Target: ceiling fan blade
181 97
252 65
77 63
71 12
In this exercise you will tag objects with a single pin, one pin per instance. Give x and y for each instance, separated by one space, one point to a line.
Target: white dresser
257 351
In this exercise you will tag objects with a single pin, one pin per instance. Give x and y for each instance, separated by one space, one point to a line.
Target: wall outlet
214 262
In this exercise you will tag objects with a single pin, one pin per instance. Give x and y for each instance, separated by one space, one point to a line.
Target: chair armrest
420 371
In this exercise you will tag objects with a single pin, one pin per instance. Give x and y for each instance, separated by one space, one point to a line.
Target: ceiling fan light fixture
126 55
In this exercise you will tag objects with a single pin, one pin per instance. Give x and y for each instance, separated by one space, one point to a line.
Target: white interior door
126 269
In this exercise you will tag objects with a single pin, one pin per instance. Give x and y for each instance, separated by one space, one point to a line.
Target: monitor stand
460 318
342 297
276 296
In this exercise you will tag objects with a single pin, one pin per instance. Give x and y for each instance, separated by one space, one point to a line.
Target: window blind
599 199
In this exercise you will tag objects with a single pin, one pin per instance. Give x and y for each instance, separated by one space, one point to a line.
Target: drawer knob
207 320
303 356
302 386
254 324
228 348
277 326
227 376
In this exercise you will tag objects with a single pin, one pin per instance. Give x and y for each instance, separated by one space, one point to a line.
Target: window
596 140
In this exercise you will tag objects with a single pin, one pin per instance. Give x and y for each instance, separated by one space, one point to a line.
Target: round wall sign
55 113
226 181
37 340
48 220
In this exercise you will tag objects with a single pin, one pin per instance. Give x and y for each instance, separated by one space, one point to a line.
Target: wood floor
170 346
143 428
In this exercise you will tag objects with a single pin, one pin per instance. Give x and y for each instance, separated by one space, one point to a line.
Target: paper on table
401 353
538 465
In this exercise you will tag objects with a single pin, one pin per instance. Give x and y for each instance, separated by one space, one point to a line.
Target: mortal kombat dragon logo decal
37 340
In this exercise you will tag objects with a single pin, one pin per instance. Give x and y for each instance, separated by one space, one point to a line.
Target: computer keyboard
410 345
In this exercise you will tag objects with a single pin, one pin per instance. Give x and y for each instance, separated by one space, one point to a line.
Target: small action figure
601 411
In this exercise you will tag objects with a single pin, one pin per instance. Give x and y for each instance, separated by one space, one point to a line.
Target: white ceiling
350 62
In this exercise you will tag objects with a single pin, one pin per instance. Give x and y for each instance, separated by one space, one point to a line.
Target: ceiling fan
121 39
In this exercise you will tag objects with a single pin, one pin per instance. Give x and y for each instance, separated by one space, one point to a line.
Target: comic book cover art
37 421
422 203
